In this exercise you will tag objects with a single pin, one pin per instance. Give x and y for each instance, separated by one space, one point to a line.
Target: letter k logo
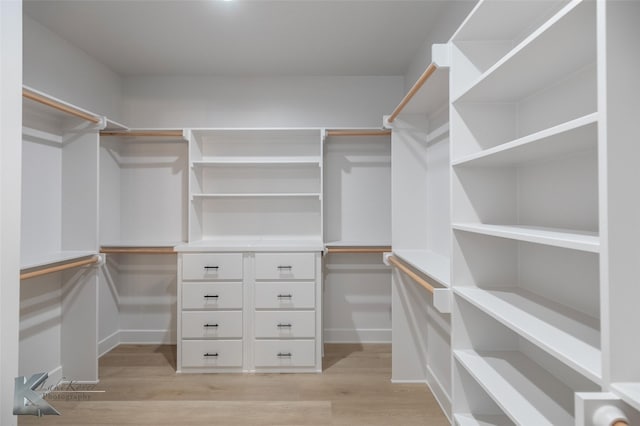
26 401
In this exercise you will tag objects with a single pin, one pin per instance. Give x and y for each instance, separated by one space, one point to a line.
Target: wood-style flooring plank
141 387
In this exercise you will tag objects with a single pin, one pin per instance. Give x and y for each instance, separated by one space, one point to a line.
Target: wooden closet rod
61 267
60 106
358 249
417 278
358 133
143 133
417 86
138 250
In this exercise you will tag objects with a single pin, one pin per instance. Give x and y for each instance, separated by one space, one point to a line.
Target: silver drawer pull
215 354
210 325
211 296
284 354
215 268
285 267
284 326
285 296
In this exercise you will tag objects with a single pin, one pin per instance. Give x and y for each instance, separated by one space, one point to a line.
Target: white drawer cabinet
249 312
285 295
285 353
211 295
285 324
283 266
211 324
212 353
212 266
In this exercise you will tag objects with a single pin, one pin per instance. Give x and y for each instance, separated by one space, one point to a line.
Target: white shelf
260 195
629 392
481 420
358 244
568 335
526 392
248 244
572 136
541 58
53 258
429 263
571 239
255 161
145 243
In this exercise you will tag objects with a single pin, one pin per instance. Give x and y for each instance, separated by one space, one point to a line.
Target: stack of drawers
285 315
211 326
249 312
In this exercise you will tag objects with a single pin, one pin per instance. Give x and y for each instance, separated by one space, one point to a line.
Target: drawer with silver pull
285 324
212 325
212 295
285 295
285 353
285 266
212 266
212 353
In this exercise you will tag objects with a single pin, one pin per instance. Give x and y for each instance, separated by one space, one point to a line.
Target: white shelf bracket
385 258
440 55
442 300
599 409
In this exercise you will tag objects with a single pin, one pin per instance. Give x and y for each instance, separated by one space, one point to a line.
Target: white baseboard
352 335
407 381
439 392
157 337
108 343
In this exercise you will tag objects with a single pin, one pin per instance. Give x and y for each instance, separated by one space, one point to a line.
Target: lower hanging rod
417 278
61 267
358 249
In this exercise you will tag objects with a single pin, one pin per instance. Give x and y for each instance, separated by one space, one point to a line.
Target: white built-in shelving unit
530 213
255 185
249 288
58 230
421 347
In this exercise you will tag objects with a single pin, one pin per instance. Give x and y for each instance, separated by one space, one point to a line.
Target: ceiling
248 38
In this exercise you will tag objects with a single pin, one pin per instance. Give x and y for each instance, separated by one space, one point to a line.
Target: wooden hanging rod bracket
60 106
137 250
60 267
412 92
143 133
417 278
382 132
358 250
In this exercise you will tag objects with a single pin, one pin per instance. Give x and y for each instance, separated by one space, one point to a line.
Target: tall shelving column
421 231
525 212
620 103
59 226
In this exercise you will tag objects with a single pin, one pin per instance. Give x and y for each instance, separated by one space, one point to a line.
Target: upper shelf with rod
430 91
147 135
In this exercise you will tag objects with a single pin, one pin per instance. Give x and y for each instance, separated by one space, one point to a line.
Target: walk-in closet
245 212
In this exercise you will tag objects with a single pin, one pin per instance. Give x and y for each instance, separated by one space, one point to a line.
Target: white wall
54 66
441 32
187 101
10 153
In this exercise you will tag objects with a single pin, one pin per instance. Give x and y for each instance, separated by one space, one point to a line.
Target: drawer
285 266
285 295
212 353
285 324
212 266
212 325
285 353
212 295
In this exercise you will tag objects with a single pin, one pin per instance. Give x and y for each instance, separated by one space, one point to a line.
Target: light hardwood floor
142 388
